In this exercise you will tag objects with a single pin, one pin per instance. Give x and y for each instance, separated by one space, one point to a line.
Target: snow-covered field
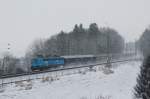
89 85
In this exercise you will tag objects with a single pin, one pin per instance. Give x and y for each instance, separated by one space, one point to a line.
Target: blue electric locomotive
41 63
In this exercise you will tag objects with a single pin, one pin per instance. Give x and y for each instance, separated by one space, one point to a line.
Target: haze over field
22 21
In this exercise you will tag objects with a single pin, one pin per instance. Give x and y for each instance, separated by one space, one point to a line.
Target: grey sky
22 21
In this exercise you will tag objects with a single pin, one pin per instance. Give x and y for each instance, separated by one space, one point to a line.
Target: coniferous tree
142 89
93 32
144 42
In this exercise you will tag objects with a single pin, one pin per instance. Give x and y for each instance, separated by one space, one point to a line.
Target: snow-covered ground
89 85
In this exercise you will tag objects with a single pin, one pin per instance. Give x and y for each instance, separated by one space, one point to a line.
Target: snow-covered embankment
91 85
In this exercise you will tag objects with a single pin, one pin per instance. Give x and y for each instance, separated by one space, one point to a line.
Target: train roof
78 56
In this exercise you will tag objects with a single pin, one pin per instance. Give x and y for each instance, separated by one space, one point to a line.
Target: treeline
11 65
144 42
142 88
79 41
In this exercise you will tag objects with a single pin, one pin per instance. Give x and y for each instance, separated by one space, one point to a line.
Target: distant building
130 47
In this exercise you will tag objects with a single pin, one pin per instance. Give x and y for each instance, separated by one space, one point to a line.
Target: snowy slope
92 85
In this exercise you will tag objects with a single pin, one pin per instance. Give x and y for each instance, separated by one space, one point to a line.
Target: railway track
62 69
4 80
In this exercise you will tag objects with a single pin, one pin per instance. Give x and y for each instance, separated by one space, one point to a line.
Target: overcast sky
22 21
